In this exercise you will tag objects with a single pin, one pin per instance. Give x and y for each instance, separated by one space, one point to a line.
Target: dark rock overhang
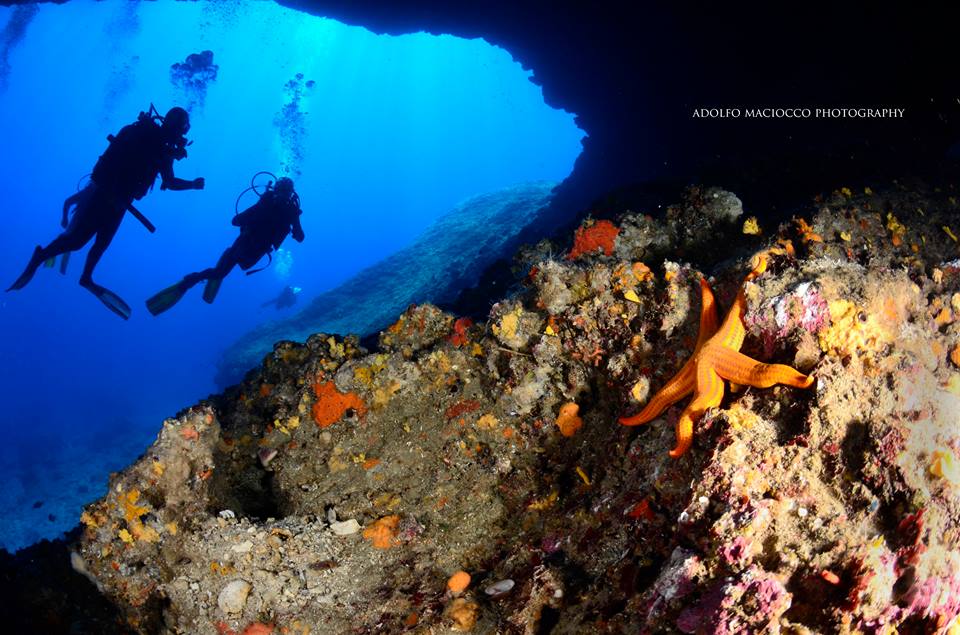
634 72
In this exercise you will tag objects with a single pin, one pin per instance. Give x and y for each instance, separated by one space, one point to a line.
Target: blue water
383 135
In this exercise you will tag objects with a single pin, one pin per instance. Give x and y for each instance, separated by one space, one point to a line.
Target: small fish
38 505
52 518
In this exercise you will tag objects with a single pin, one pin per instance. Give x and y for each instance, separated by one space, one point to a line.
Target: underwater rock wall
449 256
474 478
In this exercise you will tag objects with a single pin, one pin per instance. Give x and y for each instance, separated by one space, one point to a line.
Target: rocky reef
474 477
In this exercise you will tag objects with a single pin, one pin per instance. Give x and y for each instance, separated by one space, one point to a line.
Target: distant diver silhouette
125 172
263 228
287 298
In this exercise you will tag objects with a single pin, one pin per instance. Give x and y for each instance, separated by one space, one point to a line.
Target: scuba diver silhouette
286 299
125 172
263 228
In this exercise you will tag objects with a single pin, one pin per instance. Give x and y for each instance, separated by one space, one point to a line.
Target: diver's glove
198 183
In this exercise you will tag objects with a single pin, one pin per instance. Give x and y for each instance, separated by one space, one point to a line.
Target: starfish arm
737 367
684 433
676 389
708 314
709 395
759 266
731 332
683 382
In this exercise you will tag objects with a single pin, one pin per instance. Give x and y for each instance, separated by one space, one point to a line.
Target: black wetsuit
122 174
263 228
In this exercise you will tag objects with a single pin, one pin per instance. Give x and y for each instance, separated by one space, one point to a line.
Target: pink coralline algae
551 544
936 599
737 552
752 604
676 580
802 308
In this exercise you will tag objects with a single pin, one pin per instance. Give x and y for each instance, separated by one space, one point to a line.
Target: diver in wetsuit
286 299
122 174
263 228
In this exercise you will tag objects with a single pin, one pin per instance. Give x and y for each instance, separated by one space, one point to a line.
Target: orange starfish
716 357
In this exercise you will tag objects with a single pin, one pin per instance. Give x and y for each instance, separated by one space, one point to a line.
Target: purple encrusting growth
935 598
736 552
802 308
676 580
754 603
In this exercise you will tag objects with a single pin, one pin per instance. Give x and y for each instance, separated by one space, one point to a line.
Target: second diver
263 228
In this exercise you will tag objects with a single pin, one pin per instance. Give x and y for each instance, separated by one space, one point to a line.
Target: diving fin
110 299
50 263
31 269
210 290
160 302
64 261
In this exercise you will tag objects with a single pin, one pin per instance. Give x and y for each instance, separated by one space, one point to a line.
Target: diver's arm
67 204
177 184
171 182
297 230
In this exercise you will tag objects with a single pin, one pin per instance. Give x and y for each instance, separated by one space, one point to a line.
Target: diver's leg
166 298
104 238
82 226
231 256
72 239
35 261
227 261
